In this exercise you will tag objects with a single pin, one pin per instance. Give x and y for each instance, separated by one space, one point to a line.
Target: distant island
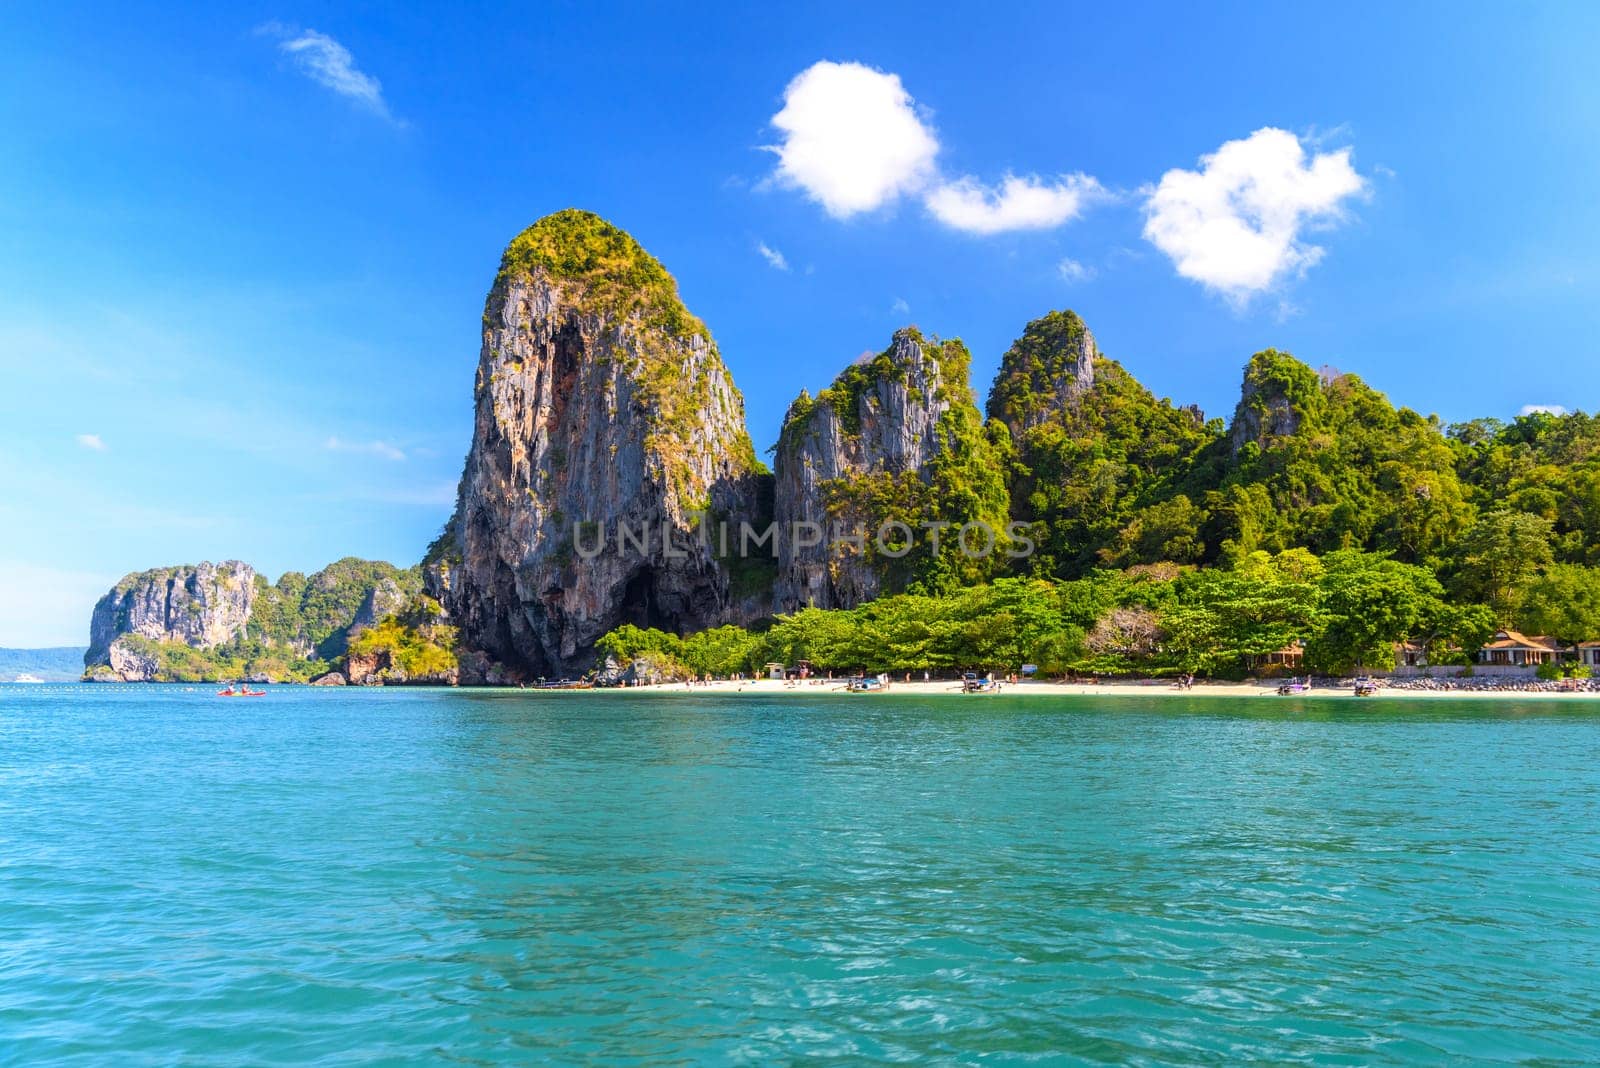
1078 524
55 664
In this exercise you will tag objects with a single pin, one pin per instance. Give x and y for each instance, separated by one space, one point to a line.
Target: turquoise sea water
485 877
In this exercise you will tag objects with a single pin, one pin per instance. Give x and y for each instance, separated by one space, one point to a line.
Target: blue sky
243 252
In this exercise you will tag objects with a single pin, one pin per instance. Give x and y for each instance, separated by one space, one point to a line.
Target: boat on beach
972 682
867 684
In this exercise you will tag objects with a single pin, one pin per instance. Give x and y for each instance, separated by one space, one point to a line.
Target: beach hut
1289 658
775 671
1511 648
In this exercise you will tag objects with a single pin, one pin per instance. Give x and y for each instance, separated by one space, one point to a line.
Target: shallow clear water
484 877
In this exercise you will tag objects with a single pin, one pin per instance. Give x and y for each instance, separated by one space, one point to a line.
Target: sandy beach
1121 688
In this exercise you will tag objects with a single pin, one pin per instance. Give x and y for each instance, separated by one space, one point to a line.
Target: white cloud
1547 409
92 442
1235 224
772 256
1073 272
900 307
1025 203
852 139
381 449
330 64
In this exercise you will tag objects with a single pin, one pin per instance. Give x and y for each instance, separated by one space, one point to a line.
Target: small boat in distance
867 684
972 682
25 677
239 689
1366 687
1294 687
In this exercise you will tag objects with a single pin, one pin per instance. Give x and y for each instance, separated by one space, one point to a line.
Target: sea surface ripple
377 877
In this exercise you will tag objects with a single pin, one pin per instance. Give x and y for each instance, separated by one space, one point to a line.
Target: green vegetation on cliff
1096 477
1541 464
615 276
1037 366
1113 476
1326 462
413 644
243 658
312 614
619 277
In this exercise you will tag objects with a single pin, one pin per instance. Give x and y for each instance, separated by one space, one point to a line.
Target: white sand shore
1131 688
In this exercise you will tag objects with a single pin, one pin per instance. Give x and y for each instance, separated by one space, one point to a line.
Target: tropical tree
1498 558
1564 600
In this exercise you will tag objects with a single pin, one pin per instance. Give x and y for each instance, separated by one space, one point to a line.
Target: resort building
1512 649
1290 657
1589 654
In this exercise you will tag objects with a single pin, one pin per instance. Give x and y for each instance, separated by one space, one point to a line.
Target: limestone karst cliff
201 607
218 620
605 420
896 439
609 450
1047 371
1094 451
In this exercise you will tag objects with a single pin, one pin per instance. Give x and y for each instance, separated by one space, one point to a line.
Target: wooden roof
1510 639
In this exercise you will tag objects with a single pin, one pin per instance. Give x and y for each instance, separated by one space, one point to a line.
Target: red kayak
231 692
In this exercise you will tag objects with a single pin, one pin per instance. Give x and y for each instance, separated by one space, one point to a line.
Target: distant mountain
60 664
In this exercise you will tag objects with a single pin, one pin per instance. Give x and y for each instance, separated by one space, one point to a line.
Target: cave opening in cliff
640 606
566 358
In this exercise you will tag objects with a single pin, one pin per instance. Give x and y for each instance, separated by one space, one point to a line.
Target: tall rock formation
895 439
1045 372
606 426
1279 393
201 607
1094 451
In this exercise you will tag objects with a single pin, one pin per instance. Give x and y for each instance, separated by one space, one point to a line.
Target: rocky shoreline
1491 684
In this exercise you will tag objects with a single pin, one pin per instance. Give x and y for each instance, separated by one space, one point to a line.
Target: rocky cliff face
1045 372
202 607
384 599
1278 393
606 426
861 453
